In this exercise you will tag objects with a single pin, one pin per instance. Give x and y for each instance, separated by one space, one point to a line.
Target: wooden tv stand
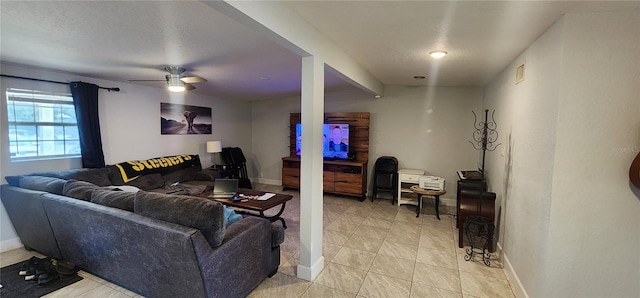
344 177
338 177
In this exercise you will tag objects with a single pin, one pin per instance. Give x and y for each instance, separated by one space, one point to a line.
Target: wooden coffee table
256 207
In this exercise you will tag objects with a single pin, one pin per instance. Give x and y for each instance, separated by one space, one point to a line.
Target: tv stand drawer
339 177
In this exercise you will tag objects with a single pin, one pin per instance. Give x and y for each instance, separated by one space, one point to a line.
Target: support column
312 114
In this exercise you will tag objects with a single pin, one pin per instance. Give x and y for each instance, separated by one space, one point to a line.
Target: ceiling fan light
175 85
438 54
176 88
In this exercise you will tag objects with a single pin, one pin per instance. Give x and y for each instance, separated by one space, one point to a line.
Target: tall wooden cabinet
339 176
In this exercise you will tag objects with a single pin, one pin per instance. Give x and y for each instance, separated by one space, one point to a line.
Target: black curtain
85 100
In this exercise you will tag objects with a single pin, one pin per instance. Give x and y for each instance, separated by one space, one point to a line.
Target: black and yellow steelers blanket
130 170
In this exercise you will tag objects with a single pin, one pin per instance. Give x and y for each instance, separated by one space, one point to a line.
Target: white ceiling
391 39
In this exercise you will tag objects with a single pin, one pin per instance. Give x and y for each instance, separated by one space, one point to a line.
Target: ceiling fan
176 81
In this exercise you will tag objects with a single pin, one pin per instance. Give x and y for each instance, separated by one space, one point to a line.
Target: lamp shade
214 147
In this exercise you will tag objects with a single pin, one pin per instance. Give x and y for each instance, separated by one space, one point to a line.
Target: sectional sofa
152 243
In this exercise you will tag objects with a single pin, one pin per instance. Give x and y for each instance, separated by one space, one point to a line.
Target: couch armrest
29 219
242 262
277 235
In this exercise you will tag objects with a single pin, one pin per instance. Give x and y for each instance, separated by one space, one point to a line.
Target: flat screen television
335 140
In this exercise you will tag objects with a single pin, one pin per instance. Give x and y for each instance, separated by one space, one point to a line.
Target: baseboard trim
267 181
10 244
512 276
443 201
310 273
447 202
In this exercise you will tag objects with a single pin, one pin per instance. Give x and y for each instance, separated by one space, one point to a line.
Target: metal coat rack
485 135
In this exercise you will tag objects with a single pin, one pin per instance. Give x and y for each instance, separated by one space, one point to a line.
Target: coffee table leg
277 216
437 204
419 205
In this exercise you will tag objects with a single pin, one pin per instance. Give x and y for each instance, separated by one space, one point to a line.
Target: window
41 125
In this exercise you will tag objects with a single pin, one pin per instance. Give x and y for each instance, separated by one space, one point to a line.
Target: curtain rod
115 89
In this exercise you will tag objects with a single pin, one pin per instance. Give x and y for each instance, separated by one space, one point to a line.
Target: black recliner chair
385 177
236 164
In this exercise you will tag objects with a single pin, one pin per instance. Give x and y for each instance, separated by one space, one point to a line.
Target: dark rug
14 285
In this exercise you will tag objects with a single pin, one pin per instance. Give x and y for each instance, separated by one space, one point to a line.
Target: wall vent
520 73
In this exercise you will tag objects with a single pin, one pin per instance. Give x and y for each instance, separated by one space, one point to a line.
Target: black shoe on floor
47 277
66 269
26 265
38 266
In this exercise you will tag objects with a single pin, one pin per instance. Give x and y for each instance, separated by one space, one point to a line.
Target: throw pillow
48 184
114 198
80 190
202 214
13 180
147 182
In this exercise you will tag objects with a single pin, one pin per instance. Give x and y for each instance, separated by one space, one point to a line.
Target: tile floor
370 250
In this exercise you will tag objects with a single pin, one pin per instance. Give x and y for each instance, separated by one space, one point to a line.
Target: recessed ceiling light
419 77
438 54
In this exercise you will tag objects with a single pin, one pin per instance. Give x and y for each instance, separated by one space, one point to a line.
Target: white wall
570 221
595 213
425 128
526 115
270 141
130 125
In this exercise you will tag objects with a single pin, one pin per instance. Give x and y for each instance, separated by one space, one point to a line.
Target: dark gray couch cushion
114 198
147 182
48 184
202 214
182 175
203 175
99 177
13 180
80 190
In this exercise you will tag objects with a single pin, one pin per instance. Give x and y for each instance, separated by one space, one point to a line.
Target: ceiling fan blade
146 80
191 80
189 87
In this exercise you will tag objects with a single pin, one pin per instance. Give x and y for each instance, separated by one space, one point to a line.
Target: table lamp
214 147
